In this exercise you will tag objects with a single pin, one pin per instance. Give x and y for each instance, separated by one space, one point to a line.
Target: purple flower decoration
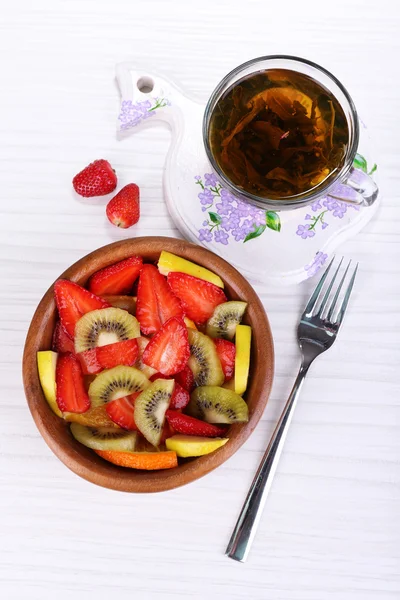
221 237
330 203
305 232
230 222
316 264
210 179
230 218
227 196
316 205
308 217
340 210
206 197
238 234
324 225
133 113
223 208
259 218
205 235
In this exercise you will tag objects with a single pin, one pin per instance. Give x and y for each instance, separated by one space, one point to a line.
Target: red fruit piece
106 357
61 340
71 393
199 298
185 379
89 362
168 351
226 353
116 279
73 301
167 432
121 411
155 301
97 179
124 209
180 397
190 426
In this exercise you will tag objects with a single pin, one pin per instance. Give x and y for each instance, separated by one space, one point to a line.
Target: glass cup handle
358 188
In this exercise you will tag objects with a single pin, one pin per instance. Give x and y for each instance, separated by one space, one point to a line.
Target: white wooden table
331 528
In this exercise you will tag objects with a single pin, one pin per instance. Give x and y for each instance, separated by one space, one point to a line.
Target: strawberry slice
106 357
61 340
71 392
199 298
185 379
167 432
180 397
190 426
168 351
73 301
116 279
155 301
226 351
121 411
89 362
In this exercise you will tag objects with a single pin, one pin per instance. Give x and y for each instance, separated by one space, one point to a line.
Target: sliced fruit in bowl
187 446
149 364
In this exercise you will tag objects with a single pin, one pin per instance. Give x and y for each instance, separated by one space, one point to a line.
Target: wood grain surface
331 527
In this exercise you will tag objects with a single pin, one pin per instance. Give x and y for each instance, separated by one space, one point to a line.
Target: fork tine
315 295
346 298
329 289
329 316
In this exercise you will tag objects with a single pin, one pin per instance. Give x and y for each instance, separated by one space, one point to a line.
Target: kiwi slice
217 405
204 361
104 438
115 383
225 318
150 408
105 326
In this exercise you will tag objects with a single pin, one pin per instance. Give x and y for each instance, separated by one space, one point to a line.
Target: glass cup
346 184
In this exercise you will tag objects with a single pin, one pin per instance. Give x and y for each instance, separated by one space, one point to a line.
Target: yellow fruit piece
47 361
170 262
230 385
189 323
192 445
242 360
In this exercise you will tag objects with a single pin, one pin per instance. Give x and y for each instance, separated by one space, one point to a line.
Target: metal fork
316 333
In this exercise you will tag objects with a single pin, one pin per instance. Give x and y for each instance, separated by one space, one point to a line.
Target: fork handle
247 523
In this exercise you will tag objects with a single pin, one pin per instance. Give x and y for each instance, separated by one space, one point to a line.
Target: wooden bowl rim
85 462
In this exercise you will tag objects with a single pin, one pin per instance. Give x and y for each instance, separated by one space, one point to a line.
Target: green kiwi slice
204 361
217 405
104 438
115 383
225 318
150 408
105 326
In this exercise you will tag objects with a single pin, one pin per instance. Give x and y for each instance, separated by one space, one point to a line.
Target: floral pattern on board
331 205
229 218
134 113
318 261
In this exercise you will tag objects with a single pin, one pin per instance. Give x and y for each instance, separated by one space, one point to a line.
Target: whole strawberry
124 209
97 179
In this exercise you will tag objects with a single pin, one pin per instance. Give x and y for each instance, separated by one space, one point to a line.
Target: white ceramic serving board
285 247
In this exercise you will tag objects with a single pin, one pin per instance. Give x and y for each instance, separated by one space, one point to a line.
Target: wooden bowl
55 431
